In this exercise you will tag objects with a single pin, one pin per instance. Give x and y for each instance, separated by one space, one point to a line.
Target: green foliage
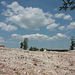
24 44
72 43
68 4
21 44
33 49
41 49
64 50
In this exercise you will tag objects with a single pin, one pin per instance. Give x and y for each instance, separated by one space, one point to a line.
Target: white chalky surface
21 62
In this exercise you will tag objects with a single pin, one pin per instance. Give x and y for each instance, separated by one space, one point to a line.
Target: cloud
61 27
60 36
62 15
4 3
67 17
55 9
27 18
1 39
52 27
31 36
71 26
7 13
16 8
59 15
7 27
40 37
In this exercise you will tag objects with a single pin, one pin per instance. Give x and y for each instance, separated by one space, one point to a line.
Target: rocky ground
21 62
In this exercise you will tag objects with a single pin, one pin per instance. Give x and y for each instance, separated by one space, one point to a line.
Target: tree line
24 45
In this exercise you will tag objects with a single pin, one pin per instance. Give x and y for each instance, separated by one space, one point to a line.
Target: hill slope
21 62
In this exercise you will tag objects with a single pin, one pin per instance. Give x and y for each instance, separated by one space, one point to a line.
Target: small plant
4 60
57 66
35 64
14 69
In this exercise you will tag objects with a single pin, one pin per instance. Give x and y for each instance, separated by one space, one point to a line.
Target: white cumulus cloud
61 27
7 13
4 3
40 37
6 27
62 15
60 36
59 15
55 9
67 17
16 7
52 27
71 26
28 18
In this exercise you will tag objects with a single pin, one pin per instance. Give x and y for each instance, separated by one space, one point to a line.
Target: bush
33 49
41 49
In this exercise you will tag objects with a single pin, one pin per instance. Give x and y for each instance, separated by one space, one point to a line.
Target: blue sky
38 20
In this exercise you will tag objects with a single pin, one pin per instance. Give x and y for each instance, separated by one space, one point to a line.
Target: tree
72 43
41 49
71 47
33 49
24 44
68 4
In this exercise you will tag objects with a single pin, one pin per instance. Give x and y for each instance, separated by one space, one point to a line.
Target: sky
38 20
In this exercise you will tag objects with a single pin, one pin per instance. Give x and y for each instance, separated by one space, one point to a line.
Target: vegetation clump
68 4
33 49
